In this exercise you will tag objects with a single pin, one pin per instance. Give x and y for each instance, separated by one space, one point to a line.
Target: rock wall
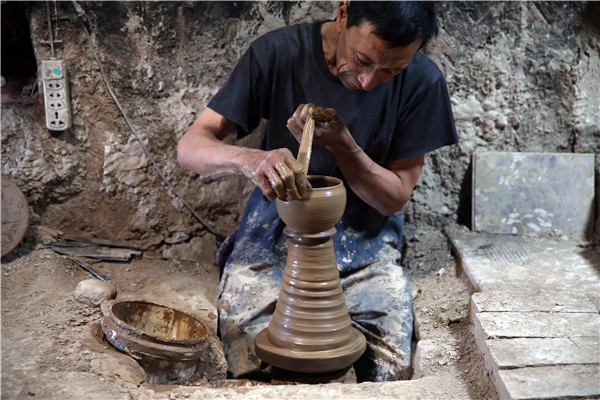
522 77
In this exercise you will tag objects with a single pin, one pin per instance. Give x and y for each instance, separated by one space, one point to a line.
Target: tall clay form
311 330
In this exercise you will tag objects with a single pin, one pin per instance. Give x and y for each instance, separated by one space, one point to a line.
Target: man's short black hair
399 23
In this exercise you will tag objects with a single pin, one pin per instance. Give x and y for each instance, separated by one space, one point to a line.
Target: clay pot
311 330
311 312
318 210
167 343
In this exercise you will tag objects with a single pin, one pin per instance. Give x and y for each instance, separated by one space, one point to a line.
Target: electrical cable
50 29
80 14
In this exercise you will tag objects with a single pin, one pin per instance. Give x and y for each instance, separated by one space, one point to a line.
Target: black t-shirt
404 117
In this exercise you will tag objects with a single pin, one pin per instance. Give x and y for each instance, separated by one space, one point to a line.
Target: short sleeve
245 97
425 123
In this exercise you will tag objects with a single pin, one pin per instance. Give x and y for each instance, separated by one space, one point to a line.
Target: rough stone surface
570 381
532 352
536 324
200 250
533 193
542 301
520 263
93 292
431 355
51 340
522 77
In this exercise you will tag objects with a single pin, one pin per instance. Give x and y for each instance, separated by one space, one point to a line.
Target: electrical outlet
56 95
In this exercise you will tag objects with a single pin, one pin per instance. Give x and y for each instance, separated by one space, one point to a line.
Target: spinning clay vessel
311 329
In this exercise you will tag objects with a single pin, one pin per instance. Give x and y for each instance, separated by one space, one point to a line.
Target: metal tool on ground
89 269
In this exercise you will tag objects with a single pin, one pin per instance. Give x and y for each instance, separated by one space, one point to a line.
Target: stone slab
84 385
544 301
532 193
535 325
568 381
525 263
434 355
443 386
534 352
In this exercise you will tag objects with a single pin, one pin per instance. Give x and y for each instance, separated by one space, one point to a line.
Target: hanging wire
50 29
210 229
56 22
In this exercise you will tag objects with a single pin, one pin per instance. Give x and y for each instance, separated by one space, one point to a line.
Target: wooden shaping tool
306 144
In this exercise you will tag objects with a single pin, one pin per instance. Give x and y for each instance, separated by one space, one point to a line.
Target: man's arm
202 150
387 189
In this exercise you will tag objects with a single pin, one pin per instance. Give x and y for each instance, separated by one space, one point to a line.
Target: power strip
56 95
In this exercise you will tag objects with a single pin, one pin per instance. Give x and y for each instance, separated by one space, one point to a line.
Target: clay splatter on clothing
377 293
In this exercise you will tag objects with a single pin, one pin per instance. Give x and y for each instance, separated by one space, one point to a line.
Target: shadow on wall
591 16
465 197
18 66
596 224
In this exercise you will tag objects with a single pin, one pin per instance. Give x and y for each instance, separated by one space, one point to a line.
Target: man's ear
342 15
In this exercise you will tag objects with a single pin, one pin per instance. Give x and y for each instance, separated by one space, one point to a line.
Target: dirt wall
522 77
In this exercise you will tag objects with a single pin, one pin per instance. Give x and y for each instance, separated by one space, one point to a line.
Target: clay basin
318 210
146 329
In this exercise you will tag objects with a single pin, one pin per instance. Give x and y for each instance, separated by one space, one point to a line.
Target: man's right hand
277 173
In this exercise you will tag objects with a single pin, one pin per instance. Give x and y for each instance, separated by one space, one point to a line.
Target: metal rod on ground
89 269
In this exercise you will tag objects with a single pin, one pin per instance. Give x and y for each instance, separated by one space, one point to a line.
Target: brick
533 352
536 324
549 382
543 301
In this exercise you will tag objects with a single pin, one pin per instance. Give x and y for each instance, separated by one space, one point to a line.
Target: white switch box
56 95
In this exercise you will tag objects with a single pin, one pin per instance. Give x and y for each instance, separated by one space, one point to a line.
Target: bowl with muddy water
166 342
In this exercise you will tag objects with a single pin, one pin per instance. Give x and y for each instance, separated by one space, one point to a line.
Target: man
389 105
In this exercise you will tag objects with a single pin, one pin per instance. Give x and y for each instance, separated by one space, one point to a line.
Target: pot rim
121 324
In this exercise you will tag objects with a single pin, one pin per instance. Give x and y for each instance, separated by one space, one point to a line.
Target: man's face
364 60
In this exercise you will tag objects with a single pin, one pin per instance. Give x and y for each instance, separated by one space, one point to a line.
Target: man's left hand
329 128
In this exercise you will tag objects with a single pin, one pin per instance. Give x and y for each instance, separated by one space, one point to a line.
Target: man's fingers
286 174
299 109
276 183
265 186
292 194
278 175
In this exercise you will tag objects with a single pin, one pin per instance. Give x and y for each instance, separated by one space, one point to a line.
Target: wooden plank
548 301
533 352
536 324
549 382
98 252
73 240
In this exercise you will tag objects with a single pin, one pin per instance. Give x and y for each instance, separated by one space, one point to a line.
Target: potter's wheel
310 361
15 215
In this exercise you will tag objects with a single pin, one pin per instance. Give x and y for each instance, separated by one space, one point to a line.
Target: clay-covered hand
329 128
276 173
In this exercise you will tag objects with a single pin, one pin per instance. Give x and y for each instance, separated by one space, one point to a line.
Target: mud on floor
47 334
